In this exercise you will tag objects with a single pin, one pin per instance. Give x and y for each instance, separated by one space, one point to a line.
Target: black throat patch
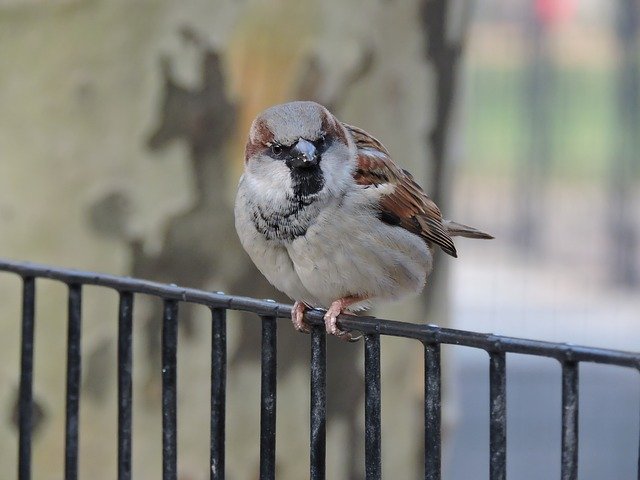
306 181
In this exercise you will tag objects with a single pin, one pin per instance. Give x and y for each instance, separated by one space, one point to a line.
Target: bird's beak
303 154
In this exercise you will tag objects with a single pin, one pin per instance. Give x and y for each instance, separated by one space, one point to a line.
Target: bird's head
299 149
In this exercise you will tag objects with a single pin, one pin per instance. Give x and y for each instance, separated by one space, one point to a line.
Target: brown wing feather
407 206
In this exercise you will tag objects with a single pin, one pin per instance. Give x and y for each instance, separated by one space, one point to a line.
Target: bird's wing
406 205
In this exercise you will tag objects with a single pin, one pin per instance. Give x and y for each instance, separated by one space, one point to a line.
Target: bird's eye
276 149
322 140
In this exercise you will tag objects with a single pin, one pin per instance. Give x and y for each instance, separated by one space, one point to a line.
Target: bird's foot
331 319
297 317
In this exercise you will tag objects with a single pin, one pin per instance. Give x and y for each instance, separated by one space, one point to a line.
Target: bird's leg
331 317
297 317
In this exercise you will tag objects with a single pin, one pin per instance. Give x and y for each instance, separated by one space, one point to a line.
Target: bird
330 219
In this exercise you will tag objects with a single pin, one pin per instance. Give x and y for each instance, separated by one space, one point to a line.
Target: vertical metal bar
432 412
268 400
169 394
26 378
318 403
569 469
125 396
498 416
218 391
73 381
372 441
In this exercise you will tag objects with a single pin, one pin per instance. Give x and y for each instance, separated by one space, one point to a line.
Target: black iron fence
432 337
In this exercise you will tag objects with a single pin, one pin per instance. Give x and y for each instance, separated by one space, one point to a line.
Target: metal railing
432 337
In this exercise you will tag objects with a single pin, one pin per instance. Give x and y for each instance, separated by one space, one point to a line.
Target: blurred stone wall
121 133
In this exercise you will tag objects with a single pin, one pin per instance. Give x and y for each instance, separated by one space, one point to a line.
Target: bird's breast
349 251
285 221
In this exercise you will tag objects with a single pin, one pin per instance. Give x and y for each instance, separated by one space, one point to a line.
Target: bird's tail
459 230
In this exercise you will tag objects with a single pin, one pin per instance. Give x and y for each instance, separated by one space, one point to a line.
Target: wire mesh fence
432 337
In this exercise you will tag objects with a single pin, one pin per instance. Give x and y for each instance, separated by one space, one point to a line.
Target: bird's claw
331 325
330 320
297 318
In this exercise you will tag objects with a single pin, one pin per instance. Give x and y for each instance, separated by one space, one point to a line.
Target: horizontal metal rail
563 352
432 337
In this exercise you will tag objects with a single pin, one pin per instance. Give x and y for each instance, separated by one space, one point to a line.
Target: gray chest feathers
287 221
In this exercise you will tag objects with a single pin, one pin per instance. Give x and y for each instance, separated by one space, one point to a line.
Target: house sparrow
330 219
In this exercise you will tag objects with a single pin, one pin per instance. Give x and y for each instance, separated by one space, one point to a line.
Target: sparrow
329 218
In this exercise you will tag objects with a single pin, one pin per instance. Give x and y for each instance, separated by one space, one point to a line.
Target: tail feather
459 230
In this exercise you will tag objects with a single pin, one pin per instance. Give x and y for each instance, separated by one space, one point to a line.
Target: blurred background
122 129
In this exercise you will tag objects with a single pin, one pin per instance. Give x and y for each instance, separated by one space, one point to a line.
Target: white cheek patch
268 178
337 166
